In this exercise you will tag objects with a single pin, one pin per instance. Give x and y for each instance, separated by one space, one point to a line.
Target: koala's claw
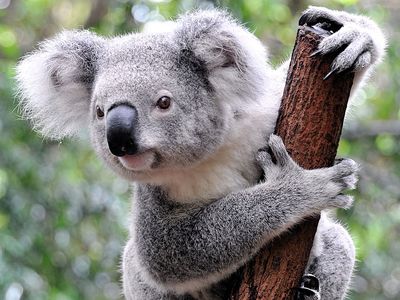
274 158
351 37
309 289
310 281
315 53
278 149
315 15
330 73
338 160
363 61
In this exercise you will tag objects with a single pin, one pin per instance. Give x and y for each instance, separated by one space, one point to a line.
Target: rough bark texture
310 123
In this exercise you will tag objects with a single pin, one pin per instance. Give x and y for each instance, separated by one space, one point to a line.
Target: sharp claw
309 288
311 282
331 72
338 160
303 292
303 19
316 53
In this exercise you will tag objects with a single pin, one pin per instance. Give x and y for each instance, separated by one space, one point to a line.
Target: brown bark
310 123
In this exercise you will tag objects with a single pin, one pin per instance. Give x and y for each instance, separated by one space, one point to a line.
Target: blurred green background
63 215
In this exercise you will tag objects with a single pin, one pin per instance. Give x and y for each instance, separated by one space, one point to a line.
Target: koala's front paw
309 289
358 39
331 183
284 163
319 188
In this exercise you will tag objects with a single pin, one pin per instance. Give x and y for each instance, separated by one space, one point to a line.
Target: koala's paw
358 39
320 188
331 183
309 289
281 156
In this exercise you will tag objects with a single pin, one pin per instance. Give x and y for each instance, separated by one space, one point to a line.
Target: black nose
121 126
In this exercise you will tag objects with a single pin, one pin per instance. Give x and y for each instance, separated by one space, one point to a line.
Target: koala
183 114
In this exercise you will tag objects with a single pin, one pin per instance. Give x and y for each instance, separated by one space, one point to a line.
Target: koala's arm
185 250
362 41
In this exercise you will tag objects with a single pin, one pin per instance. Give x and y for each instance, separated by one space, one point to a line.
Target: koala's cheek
99 142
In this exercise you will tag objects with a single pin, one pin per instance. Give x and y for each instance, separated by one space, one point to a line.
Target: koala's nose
120 127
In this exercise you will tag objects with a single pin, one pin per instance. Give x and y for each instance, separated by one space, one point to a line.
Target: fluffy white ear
233 60
55 82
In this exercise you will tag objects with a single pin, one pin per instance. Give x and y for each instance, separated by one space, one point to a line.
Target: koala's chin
132 167
138 162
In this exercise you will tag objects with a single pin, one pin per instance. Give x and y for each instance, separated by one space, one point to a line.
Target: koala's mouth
138 162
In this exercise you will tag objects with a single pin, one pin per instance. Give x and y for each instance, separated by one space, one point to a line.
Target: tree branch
310 123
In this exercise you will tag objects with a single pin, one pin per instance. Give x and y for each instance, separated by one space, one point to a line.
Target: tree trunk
310 123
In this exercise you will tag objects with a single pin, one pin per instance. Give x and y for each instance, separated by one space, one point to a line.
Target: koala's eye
99 112
164 102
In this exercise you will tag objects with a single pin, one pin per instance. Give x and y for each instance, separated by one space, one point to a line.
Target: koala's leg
331 261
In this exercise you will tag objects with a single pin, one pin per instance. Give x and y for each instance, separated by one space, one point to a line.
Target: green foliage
63 214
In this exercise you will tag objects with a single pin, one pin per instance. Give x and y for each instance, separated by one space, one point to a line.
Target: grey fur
199 212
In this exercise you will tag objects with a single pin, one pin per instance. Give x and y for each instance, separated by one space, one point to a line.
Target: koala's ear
55 82
233 59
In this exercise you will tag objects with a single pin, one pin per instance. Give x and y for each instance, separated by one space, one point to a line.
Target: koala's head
151 100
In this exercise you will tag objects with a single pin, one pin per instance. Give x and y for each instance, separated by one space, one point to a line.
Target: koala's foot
309 289
357 39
